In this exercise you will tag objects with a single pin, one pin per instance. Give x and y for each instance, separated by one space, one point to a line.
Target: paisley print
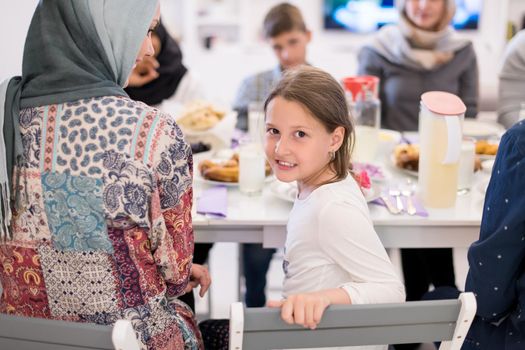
104 229
75 212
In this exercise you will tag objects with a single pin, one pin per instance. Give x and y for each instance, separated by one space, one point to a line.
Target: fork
397 195
408 191
411 209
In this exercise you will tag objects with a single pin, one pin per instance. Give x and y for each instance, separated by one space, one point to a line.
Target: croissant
223 174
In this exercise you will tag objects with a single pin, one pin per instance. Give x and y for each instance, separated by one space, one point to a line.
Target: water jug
440 124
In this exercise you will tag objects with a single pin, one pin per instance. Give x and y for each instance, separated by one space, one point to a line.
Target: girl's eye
272 131
300 134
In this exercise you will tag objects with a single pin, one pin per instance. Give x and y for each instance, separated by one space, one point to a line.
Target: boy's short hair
283 18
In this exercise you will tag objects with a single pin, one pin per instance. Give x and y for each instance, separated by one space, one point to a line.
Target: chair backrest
447 321
26 333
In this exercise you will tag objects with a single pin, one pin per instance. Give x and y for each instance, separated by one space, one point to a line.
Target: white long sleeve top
331 243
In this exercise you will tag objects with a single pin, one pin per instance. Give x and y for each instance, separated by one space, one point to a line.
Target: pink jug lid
443 103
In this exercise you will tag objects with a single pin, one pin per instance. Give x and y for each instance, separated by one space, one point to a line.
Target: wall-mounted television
366 16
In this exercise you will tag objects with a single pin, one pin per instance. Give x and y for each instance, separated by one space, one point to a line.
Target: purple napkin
213 201
420 209
237 136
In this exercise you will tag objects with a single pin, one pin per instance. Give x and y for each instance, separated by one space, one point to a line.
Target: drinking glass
466 165
256 127
252 164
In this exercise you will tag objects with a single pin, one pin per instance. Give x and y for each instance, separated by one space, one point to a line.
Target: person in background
332 252
160 78
420 53
496 261
163 77
287 34
97 226
512 82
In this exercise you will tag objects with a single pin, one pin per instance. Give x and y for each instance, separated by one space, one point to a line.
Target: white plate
481 129
287 191
199 178
486 157
487 165
482 186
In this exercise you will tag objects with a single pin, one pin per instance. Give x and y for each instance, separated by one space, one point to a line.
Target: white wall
14 22
517 12
222 68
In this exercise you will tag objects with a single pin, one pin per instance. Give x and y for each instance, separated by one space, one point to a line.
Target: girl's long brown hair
324 98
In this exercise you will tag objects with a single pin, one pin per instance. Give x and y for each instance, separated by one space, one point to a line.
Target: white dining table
263 218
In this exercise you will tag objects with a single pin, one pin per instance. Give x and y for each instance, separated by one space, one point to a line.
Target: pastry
407 156
200 116
486 148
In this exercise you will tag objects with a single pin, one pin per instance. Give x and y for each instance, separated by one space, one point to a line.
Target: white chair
447 321
26 333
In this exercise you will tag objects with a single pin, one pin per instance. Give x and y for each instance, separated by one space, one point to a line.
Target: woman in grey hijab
96 188
421 52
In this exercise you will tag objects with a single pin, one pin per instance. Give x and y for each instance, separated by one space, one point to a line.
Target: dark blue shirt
497 259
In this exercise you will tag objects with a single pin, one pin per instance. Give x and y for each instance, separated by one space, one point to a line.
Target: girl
332 253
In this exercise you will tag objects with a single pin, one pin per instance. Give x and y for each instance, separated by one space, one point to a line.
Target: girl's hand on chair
302 309
307 309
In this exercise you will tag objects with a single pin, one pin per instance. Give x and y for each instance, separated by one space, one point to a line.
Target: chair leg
465 318
236 325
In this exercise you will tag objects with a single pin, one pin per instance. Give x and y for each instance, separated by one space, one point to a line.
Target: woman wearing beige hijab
421 52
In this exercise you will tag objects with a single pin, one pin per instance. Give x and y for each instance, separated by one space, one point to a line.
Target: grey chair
26 333
447 321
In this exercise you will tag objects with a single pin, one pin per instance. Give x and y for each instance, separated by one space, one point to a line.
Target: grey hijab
74 49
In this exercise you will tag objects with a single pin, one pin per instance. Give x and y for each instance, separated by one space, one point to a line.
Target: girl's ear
308 36
338 136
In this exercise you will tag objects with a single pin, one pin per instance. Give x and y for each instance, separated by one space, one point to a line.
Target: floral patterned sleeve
172 230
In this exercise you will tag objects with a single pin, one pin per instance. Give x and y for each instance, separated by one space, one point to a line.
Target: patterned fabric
106 233
74 210
215 334
496 273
